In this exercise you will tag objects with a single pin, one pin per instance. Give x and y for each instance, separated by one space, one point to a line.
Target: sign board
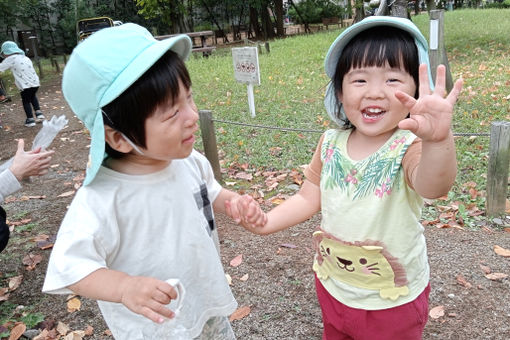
246 65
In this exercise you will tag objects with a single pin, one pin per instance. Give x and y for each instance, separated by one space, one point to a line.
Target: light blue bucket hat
102 67
10 47
331 101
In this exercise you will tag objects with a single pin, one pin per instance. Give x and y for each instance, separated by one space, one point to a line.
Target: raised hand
430 114
31 163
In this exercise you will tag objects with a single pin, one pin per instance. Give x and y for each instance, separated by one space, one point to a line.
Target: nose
374 90
191 113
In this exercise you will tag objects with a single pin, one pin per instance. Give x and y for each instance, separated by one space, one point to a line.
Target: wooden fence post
209 141
497 172
437 50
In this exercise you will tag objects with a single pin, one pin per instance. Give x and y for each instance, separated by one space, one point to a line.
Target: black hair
374 47
158 85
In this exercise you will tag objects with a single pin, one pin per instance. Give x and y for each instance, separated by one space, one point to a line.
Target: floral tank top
371 251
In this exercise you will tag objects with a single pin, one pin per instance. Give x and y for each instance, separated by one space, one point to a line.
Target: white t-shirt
150 225
23 70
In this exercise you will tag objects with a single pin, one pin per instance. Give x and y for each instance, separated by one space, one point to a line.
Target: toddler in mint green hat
145 212
25 79
392 147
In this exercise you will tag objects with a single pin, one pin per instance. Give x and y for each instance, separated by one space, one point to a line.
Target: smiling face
369 102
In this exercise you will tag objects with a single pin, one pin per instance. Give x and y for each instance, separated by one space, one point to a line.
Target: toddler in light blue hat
25 79
392 147
145 213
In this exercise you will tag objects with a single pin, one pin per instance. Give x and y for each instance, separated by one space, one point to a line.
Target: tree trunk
267 26
399 9
278 8
254 20
359 13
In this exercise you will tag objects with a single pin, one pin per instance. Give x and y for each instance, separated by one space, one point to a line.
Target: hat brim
330 100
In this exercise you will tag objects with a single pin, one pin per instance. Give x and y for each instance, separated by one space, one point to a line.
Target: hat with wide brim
10 47
331 102
102 67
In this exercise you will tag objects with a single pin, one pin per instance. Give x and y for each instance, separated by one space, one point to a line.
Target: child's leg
35 101
26 99
404 322
217 328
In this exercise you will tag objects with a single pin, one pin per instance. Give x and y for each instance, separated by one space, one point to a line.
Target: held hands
148 296
31 163
430 114
246 211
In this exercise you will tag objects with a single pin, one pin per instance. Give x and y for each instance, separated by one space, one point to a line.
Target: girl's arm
142 295
298 208
242 209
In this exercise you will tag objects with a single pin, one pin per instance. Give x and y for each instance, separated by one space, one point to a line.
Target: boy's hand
148 296
246 211
30 163
430 114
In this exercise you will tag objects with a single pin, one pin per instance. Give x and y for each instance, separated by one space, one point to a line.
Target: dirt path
275 278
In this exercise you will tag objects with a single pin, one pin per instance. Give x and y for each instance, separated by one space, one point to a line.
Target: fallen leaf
462 281
496 276
486 269
229 279
236 261
244 277
288 245
89 330
14 282
240 313
501 251
73 305
62 328
67 193
17 331
31 260
436 312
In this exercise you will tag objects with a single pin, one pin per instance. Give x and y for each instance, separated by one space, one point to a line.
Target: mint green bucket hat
331 100
102 67
10 47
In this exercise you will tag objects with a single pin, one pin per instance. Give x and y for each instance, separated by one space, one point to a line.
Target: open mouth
372 114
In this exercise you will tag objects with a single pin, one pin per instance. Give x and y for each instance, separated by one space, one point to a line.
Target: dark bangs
376 47
157 86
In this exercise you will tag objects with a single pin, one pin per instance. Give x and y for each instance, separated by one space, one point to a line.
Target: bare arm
242 209
142 295
298 208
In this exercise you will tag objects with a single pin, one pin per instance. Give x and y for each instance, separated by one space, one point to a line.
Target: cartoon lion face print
360 265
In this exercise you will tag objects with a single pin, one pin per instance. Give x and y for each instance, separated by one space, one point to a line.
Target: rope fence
497 172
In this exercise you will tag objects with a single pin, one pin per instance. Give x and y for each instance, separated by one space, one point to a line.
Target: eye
393 80
363 260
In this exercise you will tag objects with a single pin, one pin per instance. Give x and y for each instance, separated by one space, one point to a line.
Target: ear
116 141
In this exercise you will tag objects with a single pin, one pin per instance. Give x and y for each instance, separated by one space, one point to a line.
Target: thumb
21 146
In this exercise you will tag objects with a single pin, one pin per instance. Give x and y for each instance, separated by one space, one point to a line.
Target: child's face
170 131
368 97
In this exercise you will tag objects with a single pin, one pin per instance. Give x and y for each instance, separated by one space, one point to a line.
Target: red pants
405 322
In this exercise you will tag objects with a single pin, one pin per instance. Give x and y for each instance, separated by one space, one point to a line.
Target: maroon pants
405 322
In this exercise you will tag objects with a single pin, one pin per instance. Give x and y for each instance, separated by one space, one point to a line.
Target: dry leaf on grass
31 260
67 193
436 312
501 251
14 282
244 277
240 313
62 328
17 331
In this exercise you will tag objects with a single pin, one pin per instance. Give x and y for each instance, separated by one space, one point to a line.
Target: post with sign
246 71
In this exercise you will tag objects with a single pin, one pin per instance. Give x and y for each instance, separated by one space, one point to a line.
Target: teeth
374 110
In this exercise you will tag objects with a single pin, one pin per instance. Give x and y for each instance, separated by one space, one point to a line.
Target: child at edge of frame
145 212
393 147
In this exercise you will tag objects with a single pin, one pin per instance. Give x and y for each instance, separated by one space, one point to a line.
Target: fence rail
497 172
